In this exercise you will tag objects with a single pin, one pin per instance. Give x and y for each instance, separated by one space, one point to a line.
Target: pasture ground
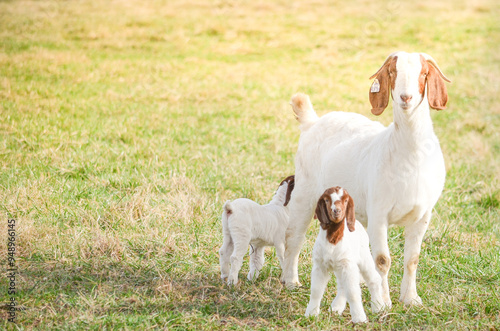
126 125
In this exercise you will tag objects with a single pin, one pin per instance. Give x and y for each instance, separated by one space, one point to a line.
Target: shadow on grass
104 288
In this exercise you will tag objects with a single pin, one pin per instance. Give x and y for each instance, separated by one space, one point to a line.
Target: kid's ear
350 214
324 210
291 184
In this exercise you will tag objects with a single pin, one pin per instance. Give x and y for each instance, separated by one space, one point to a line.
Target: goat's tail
228 209
303 109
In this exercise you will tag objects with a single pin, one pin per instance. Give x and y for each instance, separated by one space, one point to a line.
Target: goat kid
245 222
345 251
395 174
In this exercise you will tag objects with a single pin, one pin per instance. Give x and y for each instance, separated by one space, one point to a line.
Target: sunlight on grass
126 126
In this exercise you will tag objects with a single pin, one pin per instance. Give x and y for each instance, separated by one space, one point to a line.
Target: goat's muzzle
405 97
337 214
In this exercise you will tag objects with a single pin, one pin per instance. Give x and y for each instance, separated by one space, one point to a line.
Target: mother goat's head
406 75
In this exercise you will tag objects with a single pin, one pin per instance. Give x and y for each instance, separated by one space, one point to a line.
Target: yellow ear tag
375 86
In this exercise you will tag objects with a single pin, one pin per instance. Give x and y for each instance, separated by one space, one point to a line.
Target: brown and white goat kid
395 174
245 222
343 250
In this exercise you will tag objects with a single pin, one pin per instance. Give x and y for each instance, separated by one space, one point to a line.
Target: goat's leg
372 280
257 260
377 231
280 252
414 234
225 255
349 281
240 248
295 237
338 304
319 280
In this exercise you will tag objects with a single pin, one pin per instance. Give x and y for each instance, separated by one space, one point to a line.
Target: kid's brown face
338 208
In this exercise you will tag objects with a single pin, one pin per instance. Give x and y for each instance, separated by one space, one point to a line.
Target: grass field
126 125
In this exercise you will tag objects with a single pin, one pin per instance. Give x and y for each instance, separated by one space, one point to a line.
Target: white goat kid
395 174
245 222
346 252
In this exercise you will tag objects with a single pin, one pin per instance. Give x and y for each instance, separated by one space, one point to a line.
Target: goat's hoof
377 306
232 281
411 301
312 312
387 303
282 278
339 309
360 320
293 285
252 277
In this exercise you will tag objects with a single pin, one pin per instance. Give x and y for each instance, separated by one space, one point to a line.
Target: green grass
125 126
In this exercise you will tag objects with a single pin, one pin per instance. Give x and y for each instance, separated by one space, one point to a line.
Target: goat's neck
412 128
279 196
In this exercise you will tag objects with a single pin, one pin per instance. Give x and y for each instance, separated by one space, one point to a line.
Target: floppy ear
436 88
324 210
350 214
380 89
289 189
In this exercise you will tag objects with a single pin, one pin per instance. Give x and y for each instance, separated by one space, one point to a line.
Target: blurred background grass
125 126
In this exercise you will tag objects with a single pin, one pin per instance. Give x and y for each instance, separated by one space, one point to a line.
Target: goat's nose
406 97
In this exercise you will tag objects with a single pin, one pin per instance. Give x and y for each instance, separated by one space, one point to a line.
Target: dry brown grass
126 126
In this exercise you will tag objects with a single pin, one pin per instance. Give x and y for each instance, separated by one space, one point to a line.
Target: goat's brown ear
324 210
289 189
380 90
350 214
436 89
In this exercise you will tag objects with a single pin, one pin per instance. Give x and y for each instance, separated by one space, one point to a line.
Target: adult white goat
395 174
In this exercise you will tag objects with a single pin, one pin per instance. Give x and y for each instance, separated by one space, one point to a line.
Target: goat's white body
364 156
349 259
395 174
249 223
265 224
391 178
